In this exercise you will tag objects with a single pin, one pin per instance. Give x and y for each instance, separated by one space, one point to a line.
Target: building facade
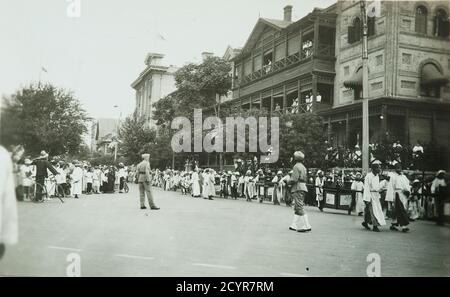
103 132
154 83
314 65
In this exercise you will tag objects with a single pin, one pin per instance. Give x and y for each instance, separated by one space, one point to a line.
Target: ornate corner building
313 65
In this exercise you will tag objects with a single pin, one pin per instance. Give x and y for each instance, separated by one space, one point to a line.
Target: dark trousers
122 183
89 188
439 200
399 212
40 180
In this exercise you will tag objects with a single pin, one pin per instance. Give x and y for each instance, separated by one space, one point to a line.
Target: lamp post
117 133
365 95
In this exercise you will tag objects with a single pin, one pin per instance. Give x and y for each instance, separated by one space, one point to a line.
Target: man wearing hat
297 182
42 165
144 180
373 213
402 189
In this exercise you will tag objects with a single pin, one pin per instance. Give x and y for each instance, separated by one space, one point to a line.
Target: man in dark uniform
42 164
144 180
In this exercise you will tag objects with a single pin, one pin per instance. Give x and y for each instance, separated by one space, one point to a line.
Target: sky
100 53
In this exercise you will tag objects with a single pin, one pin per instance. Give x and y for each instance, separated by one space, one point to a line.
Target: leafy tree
198 84
134 136
44 117
305 132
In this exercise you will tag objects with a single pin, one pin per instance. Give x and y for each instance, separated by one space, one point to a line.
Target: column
347 130
406 127
284 99
383 122
329 130
316 36
314 92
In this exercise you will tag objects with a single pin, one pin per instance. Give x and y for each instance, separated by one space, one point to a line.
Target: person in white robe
77 181
249 186
9 234
373 213
195 184
358 187
400 185
279 188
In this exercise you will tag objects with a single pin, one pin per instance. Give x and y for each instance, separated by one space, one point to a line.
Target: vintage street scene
208 138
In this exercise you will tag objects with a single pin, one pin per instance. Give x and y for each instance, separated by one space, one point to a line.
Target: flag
43 69
374 9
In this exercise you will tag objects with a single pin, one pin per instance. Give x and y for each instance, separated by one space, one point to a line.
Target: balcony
306 54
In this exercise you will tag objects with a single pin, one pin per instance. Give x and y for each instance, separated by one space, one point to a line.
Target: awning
432 76
356 81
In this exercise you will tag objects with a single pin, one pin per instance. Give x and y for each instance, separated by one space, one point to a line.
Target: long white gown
77 179
195 185
371 193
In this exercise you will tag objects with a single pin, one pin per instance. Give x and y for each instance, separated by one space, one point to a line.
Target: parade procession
281 139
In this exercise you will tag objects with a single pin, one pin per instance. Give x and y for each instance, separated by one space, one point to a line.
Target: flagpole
365 91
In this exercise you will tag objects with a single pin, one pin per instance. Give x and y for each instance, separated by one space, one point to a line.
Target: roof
277 23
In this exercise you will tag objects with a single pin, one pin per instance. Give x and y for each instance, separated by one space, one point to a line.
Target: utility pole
365 92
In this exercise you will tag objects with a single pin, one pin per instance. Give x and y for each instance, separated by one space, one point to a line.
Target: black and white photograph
210 139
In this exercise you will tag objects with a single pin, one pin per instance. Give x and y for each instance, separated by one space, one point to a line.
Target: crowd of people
422 198
41 179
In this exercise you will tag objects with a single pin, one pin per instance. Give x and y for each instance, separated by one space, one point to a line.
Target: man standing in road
42 167
144 180
298 179
373 213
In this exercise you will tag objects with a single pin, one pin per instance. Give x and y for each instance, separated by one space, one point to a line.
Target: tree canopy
43 117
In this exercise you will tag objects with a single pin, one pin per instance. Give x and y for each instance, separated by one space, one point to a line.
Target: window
421 19
379 60
247 67
293 45
268 58
406 59
441 24
237 72
257 63
346 70
370 26
355 31
280 52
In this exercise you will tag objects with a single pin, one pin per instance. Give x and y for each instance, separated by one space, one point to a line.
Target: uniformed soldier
144 180
298 190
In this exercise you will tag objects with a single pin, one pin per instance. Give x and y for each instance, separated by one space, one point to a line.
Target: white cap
298 155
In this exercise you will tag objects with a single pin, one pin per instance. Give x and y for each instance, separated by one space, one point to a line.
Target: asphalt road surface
110 236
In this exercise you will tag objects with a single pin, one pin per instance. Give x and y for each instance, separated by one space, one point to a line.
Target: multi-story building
284 62
154 83
103 132
409 66
314 65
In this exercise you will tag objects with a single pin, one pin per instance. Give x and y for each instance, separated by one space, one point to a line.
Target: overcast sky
99 54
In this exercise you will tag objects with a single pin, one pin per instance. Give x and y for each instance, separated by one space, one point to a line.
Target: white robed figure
371 195
195 184
358 187
77 180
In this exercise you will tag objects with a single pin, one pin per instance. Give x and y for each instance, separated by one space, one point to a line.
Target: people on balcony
277 108
294 107
268 67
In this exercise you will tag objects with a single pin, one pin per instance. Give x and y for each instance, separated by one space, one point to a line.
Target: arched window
441 23
432 80
421 19
355 31
358 29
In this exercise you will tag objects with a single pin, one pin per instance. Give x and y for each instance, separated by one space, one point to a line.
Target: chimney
206 55
288 13
153 59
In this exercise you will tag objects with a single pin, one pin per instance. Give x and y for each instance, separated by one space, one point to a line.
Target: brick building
315 63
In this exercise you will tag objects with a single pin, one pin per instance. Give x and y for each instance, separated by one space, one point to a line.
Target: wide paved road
196 237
